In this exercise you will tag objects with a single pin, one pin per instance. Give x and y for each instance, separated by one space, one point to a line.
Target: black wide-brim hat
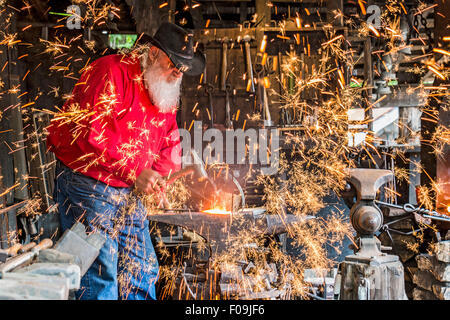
178 44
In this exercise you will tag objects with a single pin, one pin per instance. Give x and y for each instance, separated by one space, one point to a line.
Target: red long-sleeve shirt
110 130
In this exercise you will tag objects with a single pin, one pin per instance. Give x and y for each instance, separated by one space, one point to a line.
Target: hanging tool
248 63
285 114
228 122
25 257
409 208
15 249
224 64
209 90
224 86
262 103
27 247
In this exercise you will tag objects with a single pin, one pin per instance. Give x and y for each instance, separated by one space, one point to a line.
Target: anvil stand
369 274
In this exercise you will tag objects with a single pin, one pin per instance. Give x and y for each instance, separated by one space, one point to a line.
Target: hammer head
198 166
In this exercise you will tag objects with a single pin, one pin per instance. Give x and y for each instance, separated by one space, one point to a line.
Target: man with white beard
114 137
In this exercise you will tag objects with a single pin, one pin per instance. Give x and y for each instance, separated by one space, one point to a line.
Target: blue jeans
127 266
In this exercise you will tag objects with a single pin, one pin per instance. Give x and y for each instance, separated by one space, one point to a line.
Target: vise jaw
365 216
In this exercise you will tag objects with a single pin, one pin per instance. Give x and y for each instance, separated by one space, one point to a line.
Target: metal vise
365 216
369 274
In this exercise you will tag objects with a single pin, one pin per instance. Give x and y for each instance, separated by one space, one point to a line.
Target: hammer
197 169
25 257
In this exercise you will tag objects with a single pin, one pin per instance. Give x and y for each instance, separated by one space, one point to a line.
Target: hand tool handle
44 244
25 257
248 64
16 261
12 251
209 90
27 247
224 66
228 122
178 174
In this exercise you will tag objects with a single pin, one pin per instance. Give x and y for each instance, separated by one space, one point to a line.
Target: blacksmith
117 134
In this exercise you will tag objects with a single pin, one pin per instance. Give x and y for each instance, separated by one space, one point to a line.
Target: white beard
165 95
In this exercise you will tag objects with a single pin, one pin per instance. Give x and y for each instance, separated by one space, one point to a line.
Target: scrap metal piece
55 256
33 287
71 272
76 242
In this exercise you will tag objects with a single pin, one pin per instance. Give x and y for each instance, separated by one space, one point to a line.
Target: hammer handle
12 251
27 247
25 257
44 244
180 173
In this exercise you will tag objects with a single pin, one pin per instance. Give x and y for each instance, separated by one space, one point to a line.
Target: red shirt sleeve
100 94
169 160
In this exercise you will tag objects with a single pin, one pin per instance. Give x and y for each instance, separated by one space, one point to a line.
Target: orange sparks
25 76
441 51
374 30
361 5
249 84
217 211
403 8
264 59
436 72
298 23
266 82
333 40
262 48
26 27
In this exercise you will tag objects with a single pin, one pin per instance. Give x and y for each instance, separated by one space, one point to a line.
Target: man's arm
100 91
169 160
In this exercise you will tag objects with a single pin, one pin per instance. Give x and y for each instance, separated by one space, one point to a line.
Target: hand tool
285 113
261 93
224 86
409 208
25 257
224 64
209 90
14 249
76 242
27 247
248 62
228 122
197 169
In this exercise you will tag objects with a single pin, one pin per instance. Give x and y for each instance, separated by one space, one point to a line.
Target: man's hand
149 181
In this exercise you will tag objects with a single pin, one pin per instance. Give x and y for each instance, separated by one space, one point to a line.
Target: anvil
217 229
